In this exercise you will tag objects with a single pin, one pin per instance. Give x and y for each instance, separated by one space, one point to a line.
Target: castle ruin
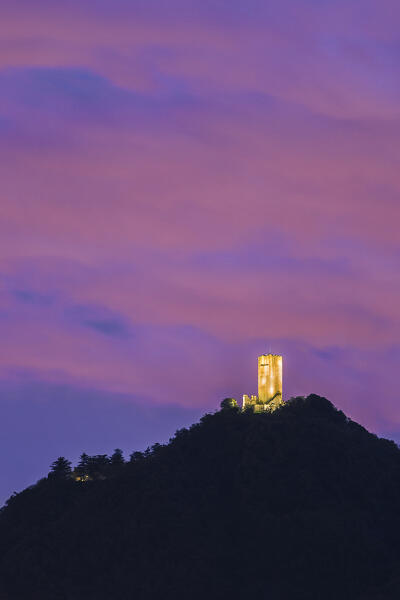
269 385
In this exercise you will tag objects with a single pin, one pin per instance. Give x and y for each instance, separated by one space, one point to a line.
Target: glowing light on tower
269 384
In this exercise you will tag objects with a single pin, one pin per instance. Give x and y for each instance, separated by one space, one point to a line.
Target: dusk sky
186 185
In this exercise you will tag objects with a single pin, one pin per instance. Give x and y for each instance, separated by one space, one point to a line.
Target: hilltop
300 504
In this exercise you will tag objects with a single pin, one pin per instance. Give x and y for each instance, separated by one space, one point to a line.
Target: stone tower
269 377
269 384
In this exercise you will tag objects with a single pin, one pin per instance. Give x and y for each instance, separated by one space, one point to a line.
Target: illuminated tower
269 384
270 379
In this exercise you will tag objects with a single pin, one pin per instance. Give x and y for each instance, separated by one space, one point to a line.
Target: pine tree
81 471
117 459
60 469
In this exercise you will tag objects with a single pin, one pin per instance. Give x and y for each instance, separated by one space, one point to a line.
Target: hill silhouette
298 504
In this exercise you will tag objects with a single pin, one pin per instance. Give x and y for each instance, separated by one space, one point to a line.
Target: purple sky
185 185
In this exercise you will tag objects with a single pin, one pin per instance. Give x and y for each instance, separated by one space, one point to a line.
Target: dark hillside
300 504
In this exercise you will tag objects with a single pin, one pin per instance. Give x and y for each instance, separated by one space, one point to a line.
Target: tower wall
269 377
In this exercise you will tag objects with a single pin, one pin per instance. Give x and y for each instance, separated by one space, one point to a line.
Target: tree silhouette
136 456
117 458
81 471
97 466
60 469
228 403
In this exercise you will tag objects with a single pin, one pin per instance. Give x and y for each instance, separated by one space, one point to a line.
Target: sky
184 186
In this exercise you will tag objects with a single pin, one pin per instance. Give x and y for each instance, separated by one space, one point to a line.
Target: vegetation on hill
299 504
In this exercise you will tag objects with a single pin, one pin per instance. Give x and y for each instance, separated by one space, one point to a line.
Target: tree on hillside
81 470
136 456
98 466
117 459
228 403
60 469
